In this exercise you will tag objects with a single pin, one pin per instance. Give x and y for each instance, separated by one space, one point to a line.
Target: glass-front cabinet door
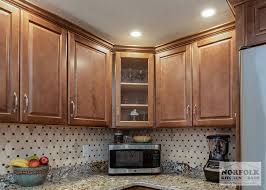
134 90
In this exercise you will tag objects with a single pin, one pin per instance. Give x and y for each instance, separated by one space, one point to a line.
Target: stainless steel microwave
134 159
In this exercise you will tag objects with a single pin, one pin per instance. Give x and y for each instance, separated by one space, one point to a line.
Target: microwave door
126 159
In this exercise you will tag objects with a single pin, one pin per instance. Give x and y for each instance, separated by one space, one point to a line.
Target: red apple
44 160
34 163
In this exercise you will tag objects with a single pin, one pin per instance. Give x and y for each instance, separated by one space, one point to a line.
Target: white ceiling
160 21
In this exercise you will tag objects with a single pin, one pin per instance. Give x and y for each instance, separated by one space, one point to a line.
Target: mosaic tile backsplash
64 145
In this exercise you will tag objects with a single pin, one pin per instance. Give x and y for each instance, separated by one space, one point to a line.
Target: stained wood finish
9 63
135 124
214 81
43 71
174 88
89 83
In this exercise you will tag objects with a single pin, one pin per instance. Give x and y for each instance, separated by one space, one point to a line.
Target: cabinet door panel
256 22
213 80
90 80
43 71
9 62
173 88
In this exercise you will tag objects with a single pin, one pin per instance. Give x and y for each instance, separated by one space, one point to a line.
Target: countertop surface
105 182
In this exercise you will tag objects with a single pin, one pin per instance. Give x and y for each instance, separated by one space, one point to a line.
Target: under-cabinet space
134 89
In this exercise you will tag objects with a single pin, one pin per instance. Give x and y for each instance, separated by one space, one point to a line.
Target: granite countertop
105 182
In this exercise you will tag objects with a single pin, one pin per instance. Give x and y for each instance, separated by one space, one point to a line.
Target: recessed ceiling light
135 34
208 12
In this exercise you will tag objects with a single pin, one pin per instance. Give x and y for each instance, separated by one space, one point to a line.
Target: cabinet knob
26 99
15 108
73 108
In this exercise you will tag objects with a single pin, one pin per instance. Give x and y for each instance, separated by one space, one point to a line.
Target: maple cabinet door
89 83
214 81
44 71
9 63
173 88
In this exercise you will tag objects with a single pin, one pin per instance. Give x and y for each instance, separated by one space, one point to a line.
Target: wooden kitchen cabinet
256 22
89 82
250 22
134 89
215 81
9 63
43 71
174 88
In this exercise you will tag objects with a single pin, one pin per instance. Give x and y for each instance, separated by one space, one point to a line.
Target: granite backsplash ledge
64 145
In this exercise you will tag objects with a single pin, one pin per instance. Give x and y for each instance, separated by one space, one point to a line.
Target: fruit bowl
29 177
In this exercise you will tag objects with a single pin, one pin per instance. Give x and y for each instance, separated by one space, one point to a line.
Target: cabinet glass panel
134 113
134 89
134 70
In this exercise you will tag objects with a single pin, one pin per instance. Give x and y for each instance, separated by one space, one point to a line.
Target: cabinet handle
195 110
73 108
188 111
15 109
26 103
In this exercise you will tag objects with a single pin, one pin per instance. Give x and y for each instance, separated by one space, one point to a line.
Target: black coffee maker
218 145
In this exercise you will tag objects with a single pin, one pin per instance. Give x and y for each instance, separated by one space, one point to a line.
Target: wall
64 144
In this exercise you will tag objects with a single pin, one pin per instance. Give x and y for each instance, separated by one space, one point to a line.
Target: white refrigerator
253 108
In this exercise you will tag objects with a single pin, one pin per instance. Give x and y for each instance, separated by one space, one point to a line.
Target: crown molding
195 37
139 49
31 8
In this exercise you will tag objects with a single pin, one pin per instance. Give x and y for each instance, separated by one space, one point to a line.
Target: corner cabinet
134 76
43 71
9 63
89 82
174 88
215 81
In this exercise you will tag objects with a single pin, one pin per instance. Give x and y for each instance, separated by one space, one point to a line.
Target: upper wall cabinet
44 71
89 82
214 81
134 89
256 22
9 63
174 88
250 22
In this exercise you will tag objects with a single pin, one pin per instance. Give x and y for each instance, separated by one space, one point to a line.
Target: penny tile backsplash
67 146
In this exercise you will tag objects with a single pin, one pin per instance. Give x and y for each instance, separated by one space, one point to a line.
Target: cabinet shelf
134 86
134 105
